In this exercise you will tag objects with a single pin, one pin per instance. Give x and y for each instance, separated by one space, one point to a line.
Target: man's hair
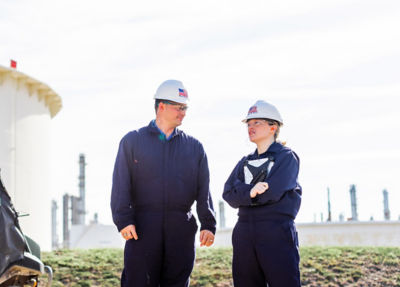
157 102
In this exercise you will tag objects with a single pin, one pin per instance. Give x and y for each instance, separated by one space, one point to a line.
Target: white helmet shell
263 110
172 90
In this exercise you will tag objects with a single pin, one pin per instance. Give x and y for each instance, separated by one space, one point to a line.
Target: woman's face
259 130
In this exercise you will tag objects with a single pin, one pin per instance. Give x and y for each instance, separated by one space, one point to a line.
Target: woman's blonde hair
278 127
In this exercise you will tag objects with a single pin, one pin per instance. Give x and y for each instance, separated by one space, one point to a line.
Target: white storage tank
26 108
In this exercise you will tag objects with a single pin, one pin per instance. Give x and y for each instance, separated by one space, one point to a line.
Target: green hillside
333 266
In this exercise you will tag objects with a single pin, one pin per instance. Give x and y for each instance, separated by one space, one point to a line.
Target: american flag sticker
183 93
252 110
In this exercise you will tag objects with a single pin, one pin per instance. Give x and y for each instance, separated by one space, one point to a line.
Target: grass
350 266
331 266
96 267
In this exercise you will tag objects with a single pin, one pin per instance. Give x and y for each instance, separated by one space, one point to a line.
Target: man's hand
129 232
259 188
206 238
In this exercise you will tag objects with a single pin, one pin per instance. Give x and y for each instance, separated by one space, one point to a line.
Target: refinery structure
343 232
76 233
26 109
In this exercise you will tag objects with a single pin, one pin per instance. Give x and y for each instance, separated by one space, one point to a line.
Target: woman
264 187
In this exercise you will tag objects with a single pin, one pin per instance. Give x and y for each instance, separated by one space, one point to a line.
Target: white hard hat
172 90
263 110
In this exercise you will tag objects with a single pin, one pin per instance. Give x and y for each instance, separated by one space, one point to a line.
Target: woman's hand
259 188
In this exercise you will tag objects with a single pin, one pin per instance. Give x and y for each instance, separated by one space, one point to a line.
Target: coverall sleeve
204 204
121 202
283 178
236 192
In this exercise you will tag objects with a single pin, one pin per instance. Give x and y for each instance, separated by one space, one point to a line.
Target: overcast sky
331 67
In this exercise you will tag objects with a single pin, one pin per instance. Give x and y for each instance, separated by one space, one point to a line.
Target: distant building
347 233
95 236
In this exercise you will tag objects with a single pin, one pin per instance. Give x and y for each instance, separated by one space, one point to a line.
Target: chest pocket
147 159
186 167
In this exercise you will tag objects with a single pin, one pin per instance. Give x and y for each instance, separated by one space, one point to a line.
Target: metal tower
386 211
221 215
329 207
82 191
66 221
54 236
353 199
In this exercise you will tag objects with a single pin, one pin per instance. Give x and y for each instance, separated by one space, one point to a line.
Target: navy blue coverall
155 182
265 244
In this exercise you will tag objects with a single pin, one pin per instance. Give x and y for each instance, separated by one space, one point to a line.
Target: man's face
173 112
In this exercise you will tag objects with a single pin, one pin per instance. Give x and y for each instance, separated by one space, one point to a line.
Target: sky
332 68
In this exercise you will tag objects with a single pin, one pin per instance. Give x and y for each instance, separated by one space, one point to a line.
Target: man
159 172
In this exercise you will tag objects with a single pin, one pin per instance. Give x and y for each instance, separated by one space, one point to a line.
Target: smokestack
329 207
386 211
75 210
54 236
353 199
82 192
65 221
221 215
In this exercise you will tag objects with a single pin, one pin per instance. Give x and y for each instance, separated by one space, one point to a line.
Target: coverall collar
273 148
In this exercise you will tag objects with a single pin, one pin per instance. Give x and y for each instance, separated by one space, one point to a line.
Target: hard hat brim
252 118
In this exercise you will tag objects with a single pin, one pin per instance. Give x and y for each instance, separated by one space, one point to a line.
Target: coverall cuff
244 191
254 200
242 187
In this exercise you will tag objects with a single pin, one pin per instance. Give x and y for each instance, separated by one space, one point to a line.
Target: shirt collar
162 135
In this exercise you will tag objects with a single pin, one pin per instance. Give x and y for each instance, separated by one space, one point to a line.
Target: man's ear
161 106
